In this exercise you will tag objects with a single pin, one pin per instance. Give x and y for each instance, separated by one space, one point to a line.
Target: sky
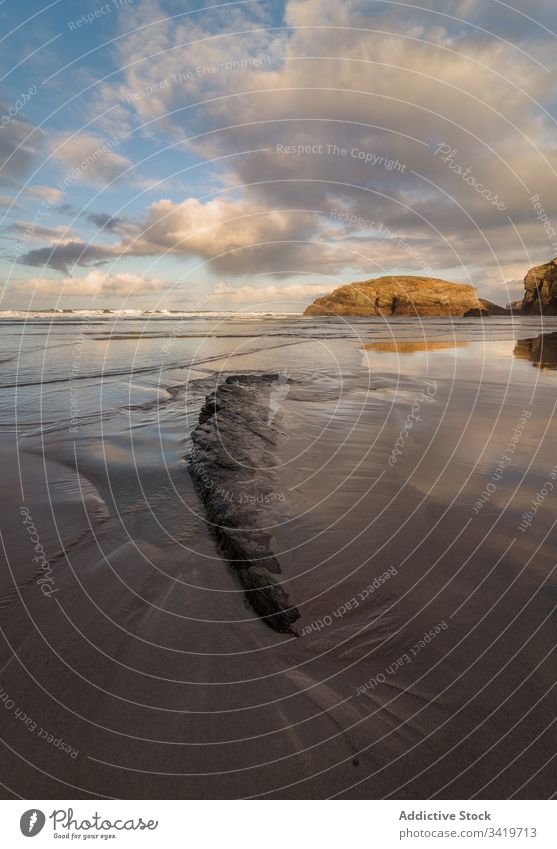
255 155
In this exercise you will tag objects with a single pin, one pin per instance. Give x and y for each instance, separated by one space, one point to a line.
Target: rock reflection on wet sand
540 351
400 346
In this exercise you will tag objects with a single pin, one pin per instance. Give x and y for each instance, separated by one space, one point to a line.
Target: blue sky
255 155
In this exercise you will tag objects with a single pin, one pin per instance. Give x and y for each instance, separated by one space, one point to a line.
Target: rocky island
404 295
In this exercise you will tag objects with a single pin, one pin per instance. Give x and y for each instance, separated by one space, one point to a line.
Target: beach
401 495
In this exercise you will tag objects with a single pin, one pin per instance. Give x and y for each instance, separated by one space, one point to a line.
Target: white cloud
20 143
96 283
299 294
47 193
215 228
89 158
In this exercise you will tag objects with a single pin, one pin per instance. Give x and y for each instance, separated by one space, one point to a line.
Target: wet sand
421 664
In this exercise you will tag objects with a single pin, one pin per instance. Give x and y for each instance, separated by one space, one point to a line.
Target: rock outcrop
402 346
514 306
486 308
404 295
540 290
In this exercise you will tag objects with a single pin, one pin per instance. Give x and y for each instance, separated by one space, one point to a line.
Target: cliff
404 295
540 290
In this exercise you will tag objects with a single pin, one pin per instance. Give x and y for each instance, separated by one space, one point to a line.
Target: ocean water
420 446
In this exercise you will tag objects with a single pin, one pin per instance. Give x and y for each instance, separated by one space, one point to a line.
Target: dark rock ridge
540 290
403 295
233 464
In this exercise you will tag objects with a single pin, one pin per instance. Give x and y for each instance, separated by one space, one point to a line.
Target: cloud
105 221
20 144
63 256
31 231
66 209
47 193
89 158
298 294
96 283
225 232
